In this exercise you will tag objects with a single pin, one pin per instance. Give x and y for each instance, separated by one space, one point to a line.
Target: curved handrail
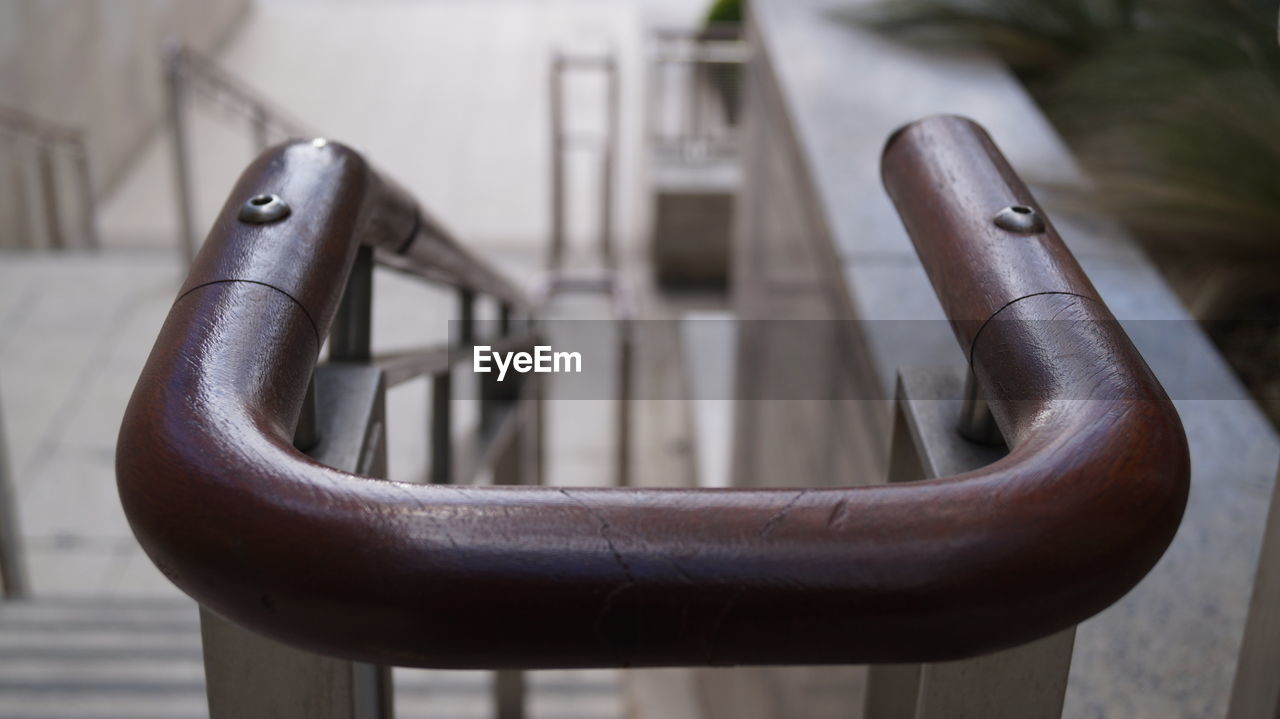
1085 503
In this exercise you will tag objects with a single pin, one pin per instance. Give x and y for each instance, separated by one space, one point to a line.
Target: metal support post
181 153
350 339
248 675
88 206
47 172
13 570
1026 682
556 255
509 468
976 421
509 694
626 349
307 434
441 428
466 317
610 147
1256 691
259 126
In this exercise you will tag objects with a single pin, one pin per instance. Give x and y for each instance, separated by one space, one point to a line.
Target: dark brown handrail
501 577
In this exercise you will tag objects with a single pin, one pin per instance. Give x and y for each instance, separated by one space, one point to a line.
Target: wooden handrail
1088 498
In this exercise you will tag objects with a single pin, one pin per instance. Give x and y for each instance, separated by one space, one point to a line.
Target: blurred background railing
695 91
50 189
190 76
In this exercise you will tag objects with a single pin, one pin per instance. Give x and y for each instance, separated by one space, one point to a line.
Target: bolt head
264 209
1021 219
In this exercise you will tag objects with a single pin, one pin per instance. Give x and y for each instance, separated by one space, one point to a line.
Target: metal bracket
251 675
1026 682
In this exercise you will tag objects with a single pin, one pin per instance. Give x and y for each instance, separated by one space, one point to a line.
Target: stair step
80 658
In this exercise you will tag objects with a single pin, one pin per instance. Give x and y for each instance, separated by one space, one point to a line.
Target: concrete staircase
139 658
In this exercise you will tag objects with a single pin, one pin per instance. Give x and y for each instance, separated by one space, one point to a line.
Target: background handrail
1088 498
45 131
187 71
50 138
204 75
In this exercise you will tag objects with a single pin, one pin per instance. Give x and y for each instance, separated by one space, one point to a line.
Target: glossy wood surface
497 577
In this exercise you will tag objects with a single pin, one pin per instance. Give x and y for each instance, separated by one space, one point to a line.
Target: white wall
96 64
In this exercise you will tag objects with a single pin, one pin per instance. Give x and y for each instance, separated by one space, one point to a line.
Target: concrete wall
95 64
819 238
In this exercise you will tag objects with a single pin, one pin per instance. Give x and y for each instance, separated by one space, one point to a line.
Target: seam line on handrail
413 233
310 320
1006 306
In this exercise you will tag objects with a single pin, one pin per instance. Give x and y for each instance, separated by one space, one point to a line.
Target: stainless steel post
697 90
466 317
307 434
504 319
181 153
509 694
88 206
19 182
49 195
538 396
13 569
259 123
976 421
441 428
609 150
626 348
1026 682
248 675
351 338
1255 691
555 100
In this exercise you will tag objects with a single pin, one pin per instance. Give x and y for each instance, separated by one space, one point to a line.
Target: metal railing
312 552
188 73
608 280
695 90
13 569
322 193
562 141
53 144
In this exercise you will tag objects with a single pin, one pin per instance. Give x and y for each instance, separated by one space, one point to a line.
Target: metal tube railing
608 281
1080 509
687 70
13 567
562 64
341 421
50 141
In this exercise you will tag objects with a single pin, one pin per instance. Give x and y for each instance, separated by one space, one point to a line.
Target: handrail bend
1088 498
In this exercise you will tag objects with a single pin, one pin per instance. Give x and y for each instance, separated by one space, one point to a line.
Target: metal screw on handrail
1020 219
264 209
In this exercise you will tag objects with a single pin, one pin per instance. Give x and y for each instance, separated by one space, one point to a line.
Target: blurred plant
724 11
1036 38
1171 106
724 22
